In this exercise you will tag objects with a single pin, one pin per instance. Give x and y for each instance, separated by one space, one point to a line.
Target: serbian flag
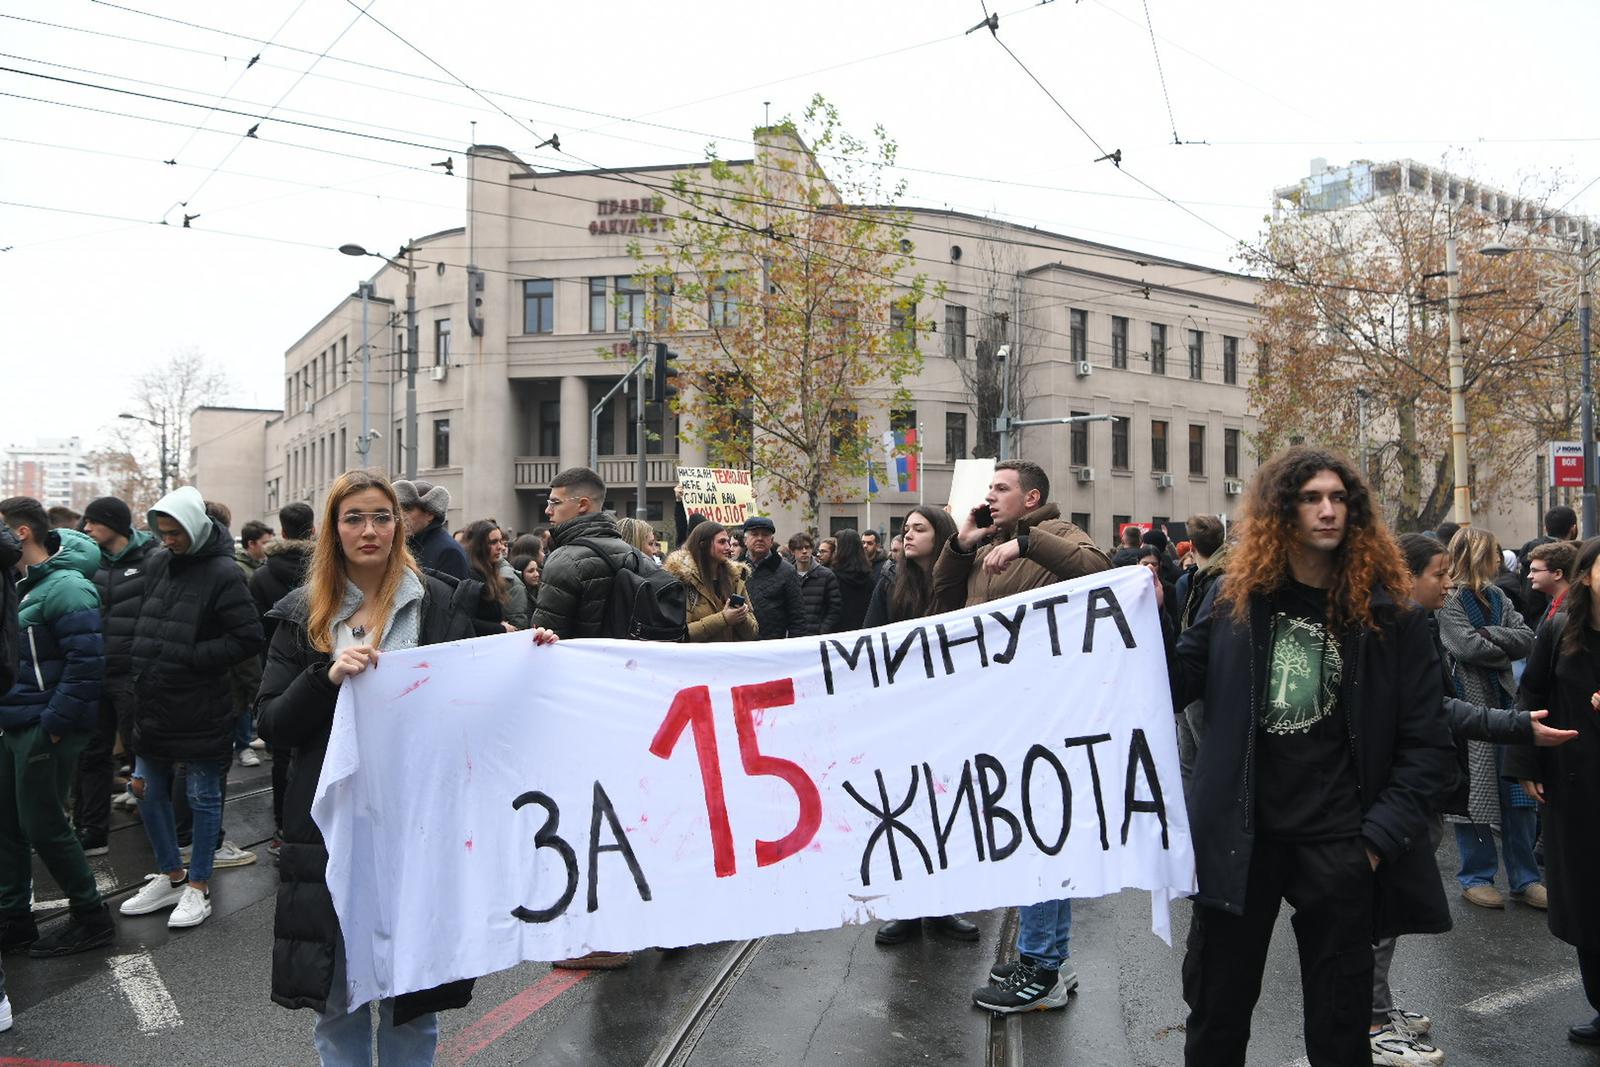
900 457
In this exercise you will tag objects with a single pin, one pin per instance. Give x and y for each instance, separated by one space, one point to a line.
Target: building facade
526 317
53 470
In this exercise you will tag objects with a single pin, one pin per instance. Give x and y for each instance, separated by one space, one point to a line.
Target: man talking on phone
1015 541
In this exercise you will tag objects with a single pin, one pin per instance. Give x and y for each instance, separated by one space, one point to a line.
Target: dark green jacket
62 663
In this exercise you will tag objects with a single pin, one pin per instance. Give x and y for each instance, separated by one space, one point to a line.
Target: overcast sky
1498 93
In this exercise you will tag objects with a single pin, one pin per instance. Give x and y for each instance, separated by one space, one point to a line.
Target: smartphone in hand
982 517
736 601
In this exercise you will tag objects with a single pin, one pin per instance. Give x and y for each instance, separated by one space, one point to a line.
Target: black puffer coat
775 598
285 569
855 593
196 620
295 710
121 582
576 583
1399 741
819 592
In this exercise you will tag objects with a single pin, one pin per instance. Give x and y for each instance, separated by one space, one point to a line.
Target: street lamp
161 428
410 442
1585 264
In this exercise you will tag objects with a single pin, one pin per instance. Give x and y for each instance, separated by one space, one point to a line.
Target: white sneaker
1409 1023
5 1014
1390 1049
157 893
258 744
248 758
231 855
194 908
125 801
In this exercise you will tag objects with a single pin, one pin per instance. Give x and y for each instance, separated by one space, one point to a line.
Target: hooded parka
61 665
196 621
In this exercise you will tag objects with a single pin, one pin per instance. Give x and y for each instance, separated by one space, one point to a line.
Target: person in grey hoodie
196 622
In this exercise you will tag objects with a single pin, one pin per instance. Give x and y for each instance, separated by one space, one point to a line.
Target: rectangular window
724 308
399 449
843 522
1079 436
902 420
606 430
1119 444
538 306
630 305
441 442
344 454
1117 523
550 428
955 436
842 429
899 315
955 331
1230 453
1197 449
664 287
1262 360
1082 520
441 342
1158 446
1158 348
1230 360
1197 351
597 305
1119 342
1080 335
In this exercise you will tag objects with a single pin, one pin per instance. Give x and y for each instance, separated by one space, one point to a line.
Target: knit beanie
110 512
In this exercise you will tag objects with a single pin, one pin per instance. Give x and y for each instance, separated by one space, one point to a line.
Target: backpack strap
594 546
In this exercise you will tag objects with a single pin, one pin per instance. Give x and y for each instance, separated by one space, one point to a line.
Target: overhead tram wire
1161 74
229 93
252 133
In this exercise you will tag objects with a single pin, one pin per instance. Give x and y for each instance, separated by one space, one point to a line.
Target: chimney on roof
1318 166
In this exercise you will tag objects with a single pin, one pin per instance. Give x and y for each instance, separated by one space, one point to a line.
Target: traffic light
662 381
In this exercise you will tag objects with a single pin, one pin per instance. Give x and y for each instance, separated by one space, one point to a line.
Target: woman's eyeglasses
357 520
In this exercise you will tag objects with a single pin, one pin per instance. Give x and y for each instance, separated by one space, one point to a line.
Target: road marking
1518 995
13 1061
496 1023
153 1007
1301 1062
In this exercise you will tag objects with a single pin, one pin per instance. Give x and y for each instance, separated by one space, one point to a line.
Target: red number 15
692 707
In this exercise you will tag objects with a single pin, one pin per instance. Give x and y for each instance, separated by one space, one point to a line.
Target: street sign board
1566 464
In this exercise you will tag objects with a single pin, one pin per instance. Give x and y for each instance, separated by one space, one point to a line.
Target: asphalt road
1500 989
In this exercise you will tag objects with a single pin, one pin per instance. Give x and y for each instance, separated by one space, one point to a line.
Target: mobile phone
982 517
736 601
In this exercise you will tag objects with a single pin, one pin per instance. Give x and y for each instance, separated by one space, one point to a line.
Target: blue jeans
1043 931
344 1039
160 823
244 732
1518 831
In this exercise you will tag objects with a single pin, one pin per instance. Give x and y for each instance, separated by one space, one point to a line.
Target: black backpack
647 602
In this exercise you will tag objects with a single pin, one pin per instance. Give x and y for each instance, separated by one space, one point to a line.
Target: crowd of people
1339 695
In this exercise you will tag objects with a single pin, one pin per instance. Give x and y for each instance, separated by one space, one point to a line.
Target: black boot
953 926
17 930
896 931
81 932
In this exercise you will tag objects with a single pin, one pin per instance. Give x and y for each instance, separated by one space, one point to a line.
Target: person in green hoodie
196 622
46 718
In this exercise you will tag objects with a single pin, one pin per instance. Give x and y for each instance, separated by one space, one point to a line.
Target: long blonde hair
327 578
1474 559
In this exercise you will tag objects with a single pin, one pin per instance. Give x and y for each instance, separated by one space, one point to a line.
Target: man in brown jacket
1026 545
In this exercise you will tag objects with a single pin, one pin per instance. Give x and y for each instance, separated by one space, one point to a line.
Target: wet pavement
1501 991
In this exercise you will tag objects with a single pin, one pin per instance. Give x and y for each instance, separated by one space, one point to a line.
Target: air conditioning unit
1085 474
1164 481
1232 486
1085 368
309 409
439 371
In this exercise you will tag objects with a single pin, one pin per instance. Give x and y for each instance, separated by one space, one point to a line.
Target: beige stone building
518 311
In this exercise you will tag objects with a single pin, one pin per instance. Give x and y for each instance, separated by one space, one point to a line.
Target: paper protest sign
621 794
720 494
969 485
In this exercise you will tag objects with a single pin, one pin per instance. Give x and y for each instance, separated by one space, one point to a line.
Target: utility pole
1361 422
411 367
1585 250
364 438
641 349
1458 388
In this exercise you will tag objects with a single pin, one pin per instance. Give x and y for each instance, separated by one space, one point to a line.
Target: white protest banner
489 801
721 494
969 486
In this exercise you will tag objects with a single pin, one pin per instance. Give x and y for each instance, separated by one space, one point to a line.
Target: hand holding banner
618 795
